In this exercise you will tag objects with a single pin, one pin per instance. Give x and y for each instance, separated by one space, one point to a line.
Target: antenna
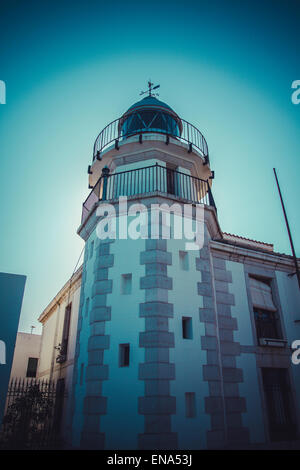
297 271
32 328
150 89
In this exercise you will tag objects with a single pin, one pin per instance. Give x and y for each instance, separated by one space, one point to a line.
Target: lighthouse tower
147 364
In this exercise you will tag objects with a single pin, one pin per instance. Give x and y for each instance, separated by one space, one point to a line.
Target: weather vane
150 89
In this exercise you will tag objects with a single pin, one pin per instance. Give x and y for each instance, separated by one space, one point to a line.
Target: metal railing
149 179
116 132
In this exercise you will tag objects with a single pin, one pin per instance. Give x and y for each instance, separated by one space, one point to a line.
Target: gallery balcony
146 181
137 123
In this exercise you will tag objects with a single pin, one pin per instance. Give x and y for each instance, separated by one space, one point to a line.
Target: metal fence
115 132
33 414
150 179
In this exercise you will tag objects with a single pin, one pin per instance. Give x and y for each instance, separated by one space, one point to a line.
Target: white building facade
176 348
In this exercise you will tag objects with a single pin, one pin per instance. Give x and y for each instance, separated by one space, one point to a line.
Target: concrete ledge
213 405
156 309
95 357
157 387
156 256
208 343
205 289
157 339
156 268
102 287
105 261
235 404
156 370
156 324
211 372
232 375
100 314
149 282
157 405
99 300
224 298
227 323
202 265
101 274
96 372
207 315
159 244
98 342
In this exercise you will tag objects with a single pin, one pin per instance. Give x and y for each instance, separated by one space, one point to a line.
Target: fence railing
33 413
154 178
116 132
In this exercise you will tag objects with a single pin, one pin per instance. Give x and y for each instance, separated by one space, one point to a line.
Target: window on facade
124 355
190 405
32 367
184 260
265 312
92 249
187 328
126 284
66 332
282 426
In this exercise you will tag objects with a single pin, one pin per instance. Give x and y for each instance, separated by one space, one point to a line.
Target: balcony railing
116 132
150 179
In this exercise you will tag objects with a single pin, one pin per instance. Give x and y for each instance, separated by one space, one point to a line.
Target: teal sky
71 67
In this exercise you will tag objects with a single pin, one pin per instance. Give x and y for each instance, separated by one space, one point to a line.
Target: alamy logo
140 221
2 352
2 92
296 354
296 94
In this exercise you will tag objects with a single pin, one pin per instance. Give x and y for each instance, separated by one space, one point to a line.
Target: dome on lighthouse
150 115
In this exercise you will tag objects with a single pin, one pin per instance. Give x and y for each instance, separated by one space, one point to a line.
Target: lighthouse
170 351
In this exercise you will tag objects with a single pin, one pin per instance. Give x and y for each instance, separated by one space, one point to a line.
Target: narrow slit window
187 328
92 249
190 404
126 284
124 352
184 260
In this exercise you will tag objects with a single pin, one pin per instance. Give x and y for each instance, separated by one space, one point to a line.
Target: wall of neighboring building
53 324
11 297
27 346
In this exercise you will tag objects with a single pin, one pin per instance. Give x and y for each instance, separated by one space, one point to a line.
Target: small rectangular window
92 249
126 284
187 328
81 373
184 260
190 405
124 355
32 367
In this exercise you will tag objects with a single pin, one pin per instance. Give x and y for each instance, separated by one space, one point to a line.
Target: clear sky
71 67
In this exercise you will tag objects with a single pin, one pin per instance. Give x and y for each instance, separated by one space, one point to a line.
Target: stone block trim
95 404
224 403
156 405
235 405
